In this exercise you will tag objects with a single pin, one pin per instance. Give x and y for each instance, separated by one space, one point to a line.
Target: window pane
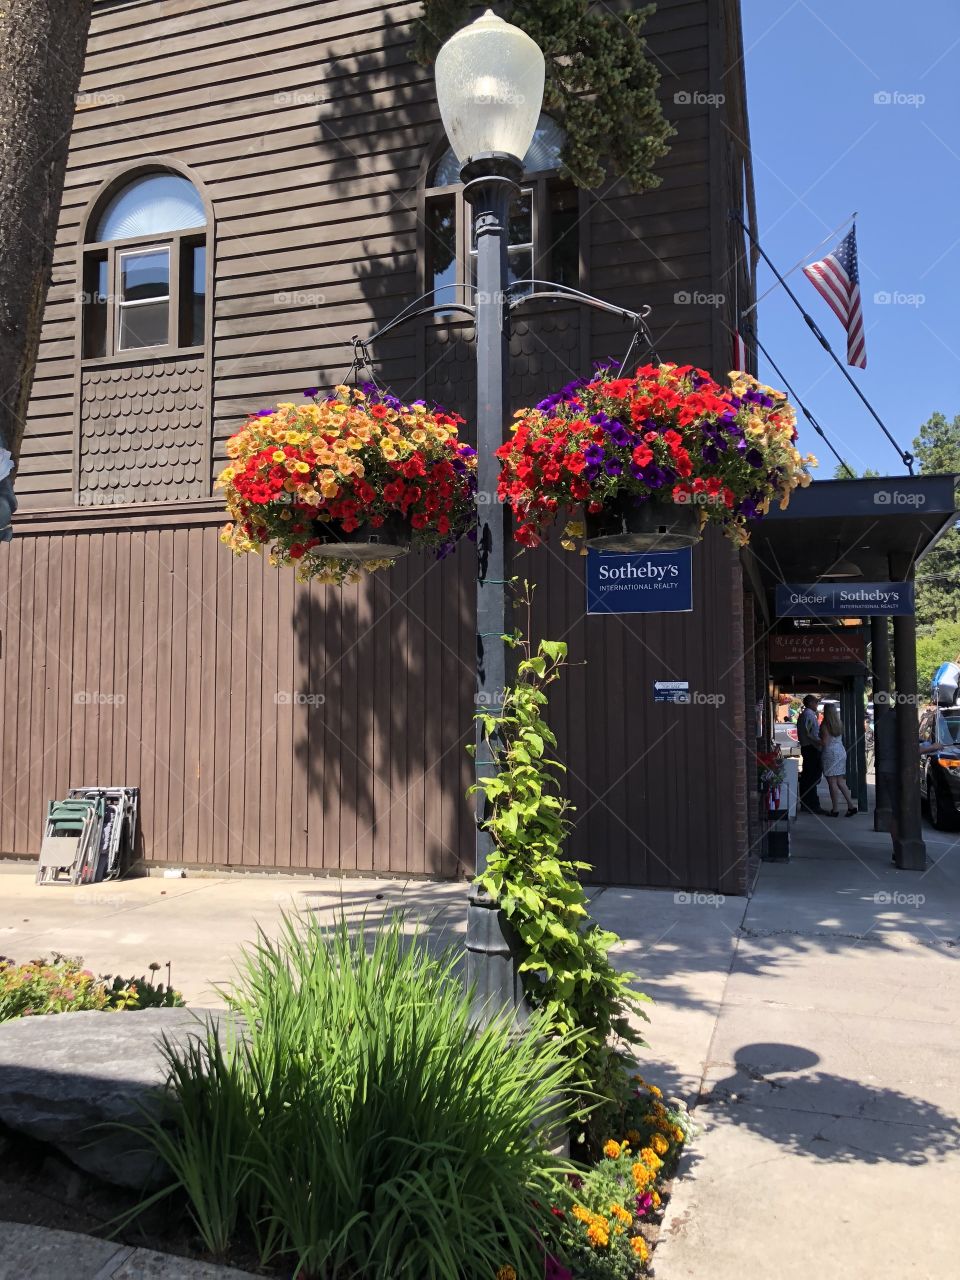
563 251
144 326
193 293
95 290
144 275
520 224
152 205
442 248
520 266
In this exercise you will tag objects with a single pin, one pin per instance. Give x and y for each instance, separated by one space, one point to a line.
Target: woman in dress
834 760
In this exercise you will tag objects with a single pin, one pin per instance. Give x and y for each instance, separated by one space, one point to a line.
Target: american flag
837 279
739 352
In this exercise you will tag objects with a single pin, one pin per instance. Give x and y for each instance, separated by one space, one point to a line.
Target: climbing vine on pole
601 85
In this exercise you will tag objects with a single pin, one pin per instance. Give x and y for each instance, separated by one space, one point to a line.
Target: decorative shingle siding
142 432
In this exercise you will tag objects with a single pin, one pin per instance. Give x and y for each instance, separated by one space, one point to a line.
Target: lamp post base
492 977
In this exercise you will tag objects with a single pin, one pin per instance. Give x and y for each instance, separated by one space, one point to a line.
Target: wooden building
250 184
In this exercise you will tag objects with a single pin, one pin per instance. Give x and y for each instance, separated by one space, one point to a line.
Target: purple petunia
613 467
311 393
593 455
755 457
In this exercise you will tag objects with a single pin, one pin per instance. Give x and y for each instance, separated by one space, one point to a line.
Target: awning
878 527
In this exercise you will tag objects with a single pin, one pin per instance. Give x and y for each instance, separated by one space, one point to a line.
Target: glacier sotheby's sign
843 599
642 582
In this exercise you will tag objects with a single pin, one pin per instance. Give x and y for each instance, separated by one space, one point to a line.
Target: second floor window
543 226
145 271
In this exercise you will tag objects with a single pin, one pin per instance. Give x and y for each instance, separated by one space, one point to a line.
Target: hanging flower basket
344 485
634 524
651 458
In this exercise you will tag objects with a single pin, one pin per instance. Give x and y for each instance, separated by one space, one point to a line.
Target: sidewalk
830 1098
37 1253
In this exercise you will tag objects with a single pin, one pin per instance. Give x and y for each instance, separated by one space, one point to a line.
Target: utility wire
906 457
796 399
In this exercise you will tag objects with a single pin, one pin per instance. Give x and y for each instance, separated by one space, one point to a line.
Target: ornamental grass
360 1126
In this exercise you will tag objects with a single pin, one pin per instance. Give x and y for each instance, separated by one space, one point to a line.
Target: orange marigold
599 1236
622 1215
633 1137
507 1273
611 1149
639 1247
660 1145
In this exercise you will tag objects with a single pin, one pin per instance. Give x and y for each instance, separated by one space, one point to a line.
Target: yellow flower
678 1133
506 1273
278 456
303 468
598 1236
621 1214
641 1176
660 1145
580 1213
655 1199
652 1088
639 1247
651 1159
611 1149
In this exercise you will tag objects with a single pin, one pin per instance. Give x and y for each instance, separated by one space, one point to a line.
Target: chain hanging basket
624 525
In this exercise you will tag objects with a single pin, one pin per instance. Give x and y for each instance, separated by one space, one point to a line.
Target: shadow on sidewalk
774 1093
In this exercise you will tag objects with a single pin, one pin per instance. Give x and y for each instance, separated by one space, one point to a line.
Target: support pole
490 188
909 851
884 728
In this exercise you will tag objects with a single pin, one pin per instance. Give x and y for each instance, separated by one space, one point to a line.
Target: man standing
808 735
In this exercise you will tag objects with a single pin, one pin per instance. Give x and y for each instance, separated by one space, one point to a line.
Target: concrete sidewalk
830 1098
36 1253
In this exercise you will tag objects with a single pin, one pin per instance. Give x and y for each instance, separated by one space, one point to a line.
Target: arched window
145 270
544 240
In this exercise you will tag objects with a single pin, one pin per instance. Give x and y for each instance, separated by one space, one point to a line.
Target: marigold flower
506 1273
639 1247
659 1143
611 1149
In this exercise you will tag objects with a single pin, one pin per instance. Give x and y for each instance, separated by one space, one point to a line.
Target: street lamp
490 88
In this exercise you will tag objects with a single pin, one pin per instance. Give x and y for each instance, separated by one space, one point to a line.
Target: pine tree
42 45
937 449
600 83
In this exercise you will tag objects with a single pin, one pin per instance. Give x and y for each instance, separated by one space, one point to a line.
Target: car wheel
942 813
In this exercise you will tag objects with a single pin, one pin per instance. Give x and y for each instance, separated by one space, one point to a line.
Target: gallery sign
642 582
819 646
843 599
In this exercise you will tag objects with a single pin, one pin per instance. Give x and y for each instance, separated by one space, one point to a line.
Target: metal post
909 851
490 186
884 728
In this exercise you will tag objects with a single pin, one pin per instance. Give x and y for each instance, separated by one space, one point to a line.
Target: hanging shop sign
819 646
644 582
844 599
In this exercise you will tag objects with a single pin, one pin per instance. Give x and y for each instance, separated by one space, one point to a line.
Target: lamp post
490 88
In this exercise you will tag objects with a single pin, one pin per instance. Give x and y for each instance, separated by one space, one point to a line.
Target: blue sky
823 147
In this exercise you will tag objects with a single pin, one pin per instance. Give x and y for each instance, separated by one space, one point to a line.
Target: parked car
940 767
785 736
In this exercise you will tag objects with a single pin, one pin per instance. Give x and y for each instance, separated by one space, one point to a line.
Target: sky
855 106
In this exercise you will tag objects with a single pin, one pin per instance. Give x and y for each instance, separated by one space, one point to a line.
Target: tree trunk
42 44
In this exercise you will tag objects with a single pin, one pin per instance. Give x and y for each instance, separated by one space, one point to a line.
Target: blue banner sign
643 582
843 599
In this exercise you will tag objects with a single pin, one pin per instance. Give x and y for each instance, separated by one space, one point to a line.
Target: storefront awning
861 530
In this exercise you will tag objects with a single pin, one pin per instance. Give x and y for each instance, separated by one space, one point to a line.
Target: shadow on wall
380 751
774 1092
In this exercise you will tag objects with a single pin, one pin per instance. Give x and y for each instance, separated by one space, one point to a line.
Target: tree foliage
937 449
600 83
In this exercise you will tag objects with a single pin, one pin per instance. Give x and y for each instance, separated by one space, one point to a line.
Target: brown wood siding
273 725
270 724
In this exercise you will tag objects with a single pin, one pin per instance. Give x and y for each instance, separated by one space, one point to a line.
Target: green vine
564 954
600 83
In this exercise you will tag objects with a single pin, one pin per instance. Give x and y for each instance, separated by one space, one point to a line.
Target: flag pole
795 399
787 274
905 456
